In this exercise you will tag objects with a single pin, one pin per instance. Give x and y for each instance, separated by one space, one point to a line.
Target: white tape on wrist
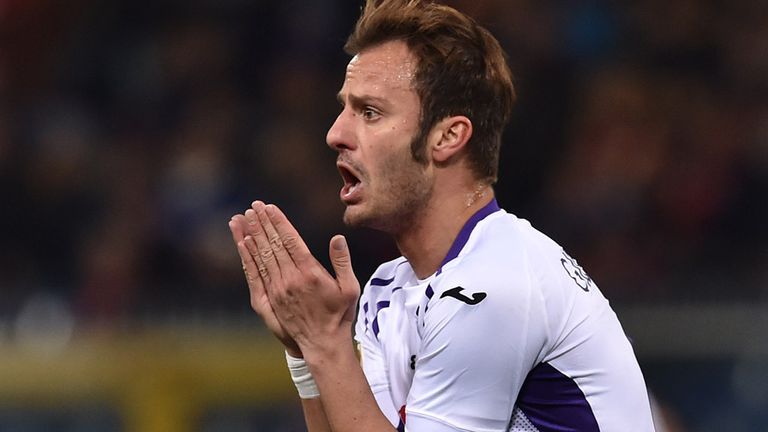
302 378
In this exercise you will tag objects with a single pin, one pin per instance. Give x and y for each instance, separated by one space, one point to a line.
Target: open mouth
350 190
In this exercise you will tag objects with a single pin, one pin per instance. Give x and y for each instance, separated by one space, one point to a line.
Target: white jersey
509 334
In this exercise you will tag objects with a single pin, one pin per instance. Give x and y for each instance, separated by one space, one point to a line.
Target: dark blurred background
130 132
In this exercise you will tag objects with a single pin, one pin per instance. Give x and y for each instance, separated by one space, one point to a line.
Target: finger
236 227
258 295
251 223
256 255
255 230
292 242
276 242
255 285
262 252
250 268
341 260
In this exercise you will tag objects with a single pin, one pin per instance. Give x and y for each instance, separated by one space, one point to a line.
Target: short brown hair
461 70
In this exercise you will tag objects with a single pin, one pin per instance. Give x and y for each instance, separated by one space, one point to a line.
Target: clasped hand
300 302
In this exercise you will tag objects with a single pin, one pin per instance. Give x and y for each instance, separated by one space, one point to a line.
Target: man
484 324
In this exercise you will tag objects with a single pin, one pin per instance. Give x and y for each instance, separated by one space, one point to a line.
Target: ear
449 137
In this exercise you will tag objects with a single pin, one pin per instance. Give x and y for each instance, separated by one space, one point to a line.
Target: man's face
384 187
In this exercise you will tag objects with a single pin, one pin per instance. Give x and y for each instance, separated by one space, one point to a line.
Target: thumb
342 263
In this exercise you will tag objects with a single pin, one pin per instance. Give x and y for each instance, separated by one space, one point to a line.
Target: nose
340 136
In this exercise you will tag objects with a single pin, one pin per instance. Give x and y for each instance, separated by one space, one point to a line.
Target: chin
355 216
358 216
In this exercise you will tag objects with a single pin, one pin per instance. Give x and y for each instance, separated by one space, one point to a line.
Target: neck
426 243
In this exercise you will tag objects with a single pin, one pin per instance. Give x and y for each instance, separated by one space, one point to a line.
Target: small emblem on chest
456 293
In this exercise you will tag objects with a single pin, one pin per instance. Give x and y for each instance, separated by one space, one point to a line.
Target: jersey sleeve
372 361
479 340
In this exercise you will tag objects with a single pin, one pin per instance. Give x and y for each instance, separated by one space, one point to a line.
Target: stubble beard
395 205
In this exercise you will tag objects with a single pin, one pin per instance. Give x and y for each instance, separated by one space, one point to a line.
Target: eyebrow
362 100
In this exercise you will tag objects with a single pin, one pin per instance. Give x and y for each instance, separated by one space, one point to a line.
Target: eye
369 113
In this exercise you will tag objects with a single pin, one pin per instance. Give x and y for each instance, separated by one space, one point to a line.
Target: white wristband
301 377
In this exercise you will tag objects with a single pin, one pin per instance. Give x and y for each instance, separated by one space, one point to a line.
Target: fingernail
340 243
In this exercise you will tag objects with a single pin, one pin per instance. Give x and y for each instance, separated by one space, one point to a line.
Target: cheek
395 136
397 166
381 148
388 148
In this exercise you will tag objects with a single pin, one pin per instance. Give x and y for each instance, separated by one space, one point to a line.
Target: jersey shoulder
514 265
383 283
387 270
506 251
386 274
499 254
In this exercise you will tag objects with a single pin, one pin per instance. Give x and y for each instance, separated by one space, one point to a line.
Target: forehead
385 67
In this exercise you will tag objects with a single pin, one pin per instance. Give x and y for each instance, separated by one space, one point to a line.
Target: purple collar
466 230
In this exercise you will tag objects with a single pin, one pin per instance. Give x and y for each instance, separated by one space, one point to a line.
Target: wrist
294 352
302 377
319 352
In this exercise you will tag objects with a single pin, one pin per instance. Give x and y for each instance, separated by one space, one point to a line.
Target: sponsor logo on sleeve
575 271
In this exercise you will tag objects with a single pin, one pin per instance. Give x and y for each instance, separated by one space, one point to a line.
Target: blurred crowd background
130 132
